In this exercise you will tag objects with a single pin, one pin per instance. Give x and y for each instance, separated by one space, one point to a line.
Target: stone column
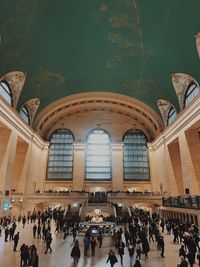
6 170
79 166
117 166
189 178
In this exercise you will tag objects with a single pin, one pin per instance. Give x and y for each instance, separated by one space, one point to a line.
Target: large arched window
136 162
5 92
171 115
98 156
25 114
60 163
191 92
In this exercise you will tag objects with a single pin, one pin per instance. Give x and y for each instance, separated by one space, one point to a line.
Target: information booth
105 228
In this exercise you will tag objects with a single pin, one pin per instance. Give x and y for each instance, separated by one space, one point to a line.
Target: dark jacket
121 248
75 252
112 258
184 263
137 264
35 260
145 245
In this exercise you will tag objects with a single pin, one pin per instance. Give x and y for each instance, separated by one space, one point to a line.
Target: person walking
112 258
182 252
24 221
39 228
145 247
35 259
34 230
48 243
16 240
162 246
6 233
76 253
198 257
137 264
74 233
183 263
131 251
93 244
22 255
86 242
138 249
100 239
121 247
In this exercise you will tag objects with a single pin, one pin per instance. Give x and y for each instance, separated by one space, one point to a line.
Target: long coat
75 252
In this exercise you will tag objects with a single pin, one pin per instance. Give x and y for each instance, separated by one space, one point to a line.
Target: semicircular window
60 161
25 114
136 161
98 156
6 92
191 92
171 115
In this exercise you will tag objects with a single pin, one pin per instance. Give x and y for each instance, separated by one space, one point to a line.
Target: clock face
97 211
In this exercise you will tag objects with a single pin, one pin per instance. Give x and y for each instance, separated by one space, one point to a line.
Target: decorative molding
164 107
180 82
32 106
16 80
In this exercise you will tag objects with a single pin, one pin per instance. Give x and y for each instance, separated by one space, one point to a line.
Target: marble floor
60 257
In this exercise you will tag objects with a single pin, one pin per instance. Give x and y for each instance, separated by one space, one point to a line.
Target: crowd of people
136 237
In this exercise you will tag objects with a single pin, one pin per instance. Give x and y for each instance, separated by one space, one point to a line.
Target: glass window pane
191 92
60 163
5 92
171 115
136 162
25 114
98 156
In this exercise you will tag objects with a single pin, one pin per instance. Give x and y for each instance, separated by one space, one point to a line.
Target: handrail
62 193
185 201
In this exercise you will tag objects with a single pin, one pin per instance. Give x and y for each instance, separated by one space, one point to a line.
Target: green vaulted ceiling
125 46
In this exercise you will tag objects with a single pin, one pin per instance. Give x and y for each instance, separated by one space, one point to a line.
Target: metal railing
188 202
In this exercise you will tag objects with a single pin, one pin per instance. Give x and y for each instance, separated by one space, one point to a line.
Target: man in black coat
16 239
162 246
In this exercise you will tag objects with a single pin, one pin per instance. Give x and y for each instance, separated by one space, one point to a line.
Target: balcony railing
188 202
135 194
61 193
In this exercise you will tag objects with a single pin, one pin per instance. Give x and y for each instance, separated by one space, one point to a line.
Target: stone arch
145 117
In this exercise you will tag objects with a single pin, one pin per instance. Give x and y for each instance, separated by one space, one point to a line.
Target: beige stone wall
175 153
173 156
23 158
